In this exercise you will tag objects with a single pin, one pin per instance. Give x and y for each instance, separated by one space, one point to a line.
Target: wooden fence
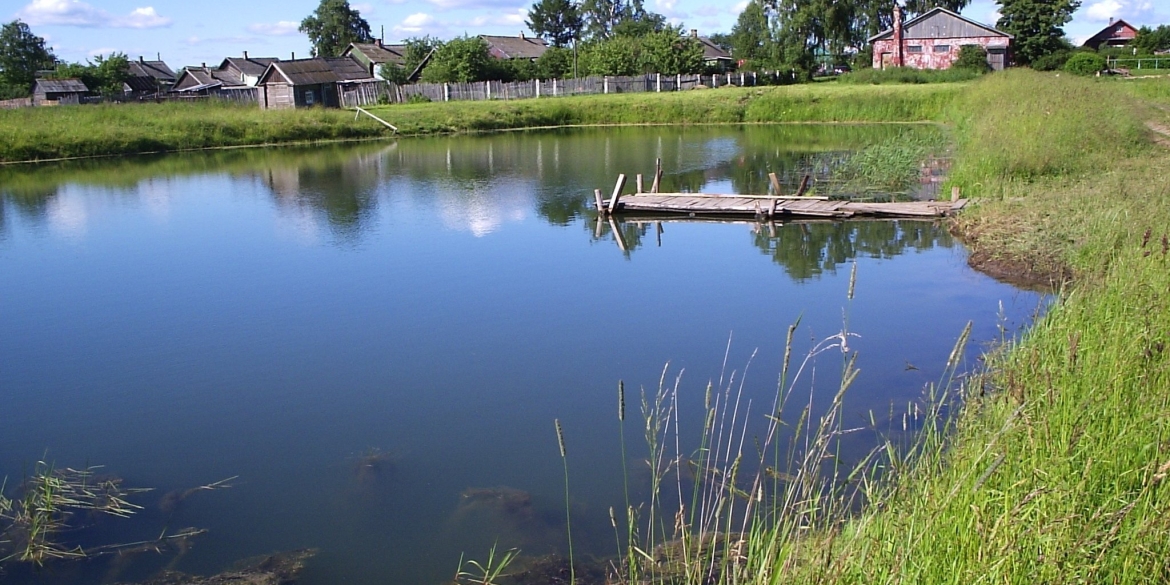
375 92
16 103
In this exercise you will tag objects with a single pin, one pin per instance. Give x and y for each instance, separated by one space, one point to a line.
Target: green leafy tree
417 50
102 75
751 37
671 53
601 16
617 56
1151 40
22 54
555 63
461 59
1036 26
558 21
333 26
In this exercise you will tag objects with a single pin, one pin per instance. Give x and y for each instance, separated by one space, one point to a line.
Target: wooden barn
376 55
52 92
932 41
1118 34
303 83
149 77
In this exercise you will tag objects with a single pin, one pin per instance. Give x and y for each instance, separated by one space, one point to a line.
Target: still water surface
276 314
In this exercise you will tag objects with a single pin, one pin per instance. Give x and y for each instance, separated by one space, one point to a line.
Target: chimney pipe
521 35
899 59
245 55
294 56
694 33
141 60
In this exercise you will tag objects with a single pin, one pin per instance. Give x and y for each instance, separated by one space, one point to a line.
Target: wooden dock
766 207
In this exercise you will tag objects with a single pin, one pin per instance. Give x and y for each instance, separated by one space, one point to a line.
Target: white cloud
418 23
144 17
457 4
364 8
101 51
275 29
739 7
77 13
1104 10
509 19
994 17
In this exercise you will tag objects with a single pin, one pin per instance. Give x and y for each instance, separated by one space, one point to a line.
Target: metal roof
520 47
991 32
711 51
61 86
378 53
248 66
153 69
317 70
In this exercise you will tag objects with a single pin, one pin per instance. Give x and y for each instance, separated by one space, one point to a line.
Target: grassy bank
1056 470
48 133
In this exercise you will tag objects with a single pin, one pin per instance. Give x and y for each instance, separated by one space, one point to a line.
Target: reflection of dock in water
766 207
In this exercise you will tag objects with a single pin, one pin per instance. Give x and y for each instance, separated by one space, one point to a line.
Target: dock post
617 192
657 175
803 186
775 184
772 208
617 236
598 201
954 193
638 182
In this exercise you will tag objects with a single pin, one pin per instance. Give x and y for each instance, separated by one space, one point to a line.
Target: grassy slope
46 133
1058 473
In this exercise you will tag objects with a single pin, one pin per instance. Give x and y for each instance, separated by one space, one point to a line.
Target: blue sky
194 32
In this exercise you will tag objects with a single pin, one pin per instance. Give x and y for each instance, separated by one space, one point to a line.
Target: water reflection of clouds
485 206
67 214
156 195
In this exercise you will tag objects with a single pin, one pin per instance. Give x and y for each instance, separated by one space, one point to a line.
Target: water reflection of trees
340 186
804 249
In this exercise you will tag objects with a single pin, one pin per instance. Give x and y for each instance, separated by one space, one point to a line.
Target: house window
309 98
914 49
942 48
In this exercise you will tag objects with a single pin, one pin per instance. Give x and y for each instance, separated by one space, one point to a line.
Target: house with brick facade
932 41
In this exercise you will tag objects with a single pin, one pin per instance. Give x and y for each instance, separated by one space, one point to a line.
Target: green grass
84 131
907 75
65 132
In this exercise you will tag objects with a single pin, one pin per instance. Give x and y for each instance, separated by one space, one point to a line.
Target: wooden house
714 56
521 47
376 56
52 92
1118 34
932 41
149 77
232 73
302 83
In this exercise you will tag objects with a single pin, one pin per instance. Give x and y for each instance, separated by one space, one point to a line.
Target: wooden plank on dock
780 207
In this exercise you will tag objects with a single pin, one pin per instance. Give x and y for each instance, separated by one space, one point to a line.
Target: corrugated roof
249 66
318 70
197 78
61 85
153 69
378 53
515 47
932 12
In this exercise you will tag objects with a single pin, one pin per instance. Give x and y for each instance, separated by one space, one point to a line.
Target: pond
374 340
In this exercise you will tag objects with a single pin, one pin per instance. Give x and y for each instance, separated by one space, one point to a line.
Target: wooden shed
149 77
52 92
305 83
376 55
932 41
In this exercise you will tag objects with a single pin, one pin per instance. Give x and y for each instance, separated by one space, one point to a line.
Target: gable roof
247 65
520 47
153 69
981 30
713 52
200 78
316 70
1113 32
377 53
60 86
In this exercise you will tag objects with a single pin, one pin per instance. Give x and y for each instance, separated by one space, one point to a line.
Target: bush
908 75
972 57
1085 63
418 98
1052 61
